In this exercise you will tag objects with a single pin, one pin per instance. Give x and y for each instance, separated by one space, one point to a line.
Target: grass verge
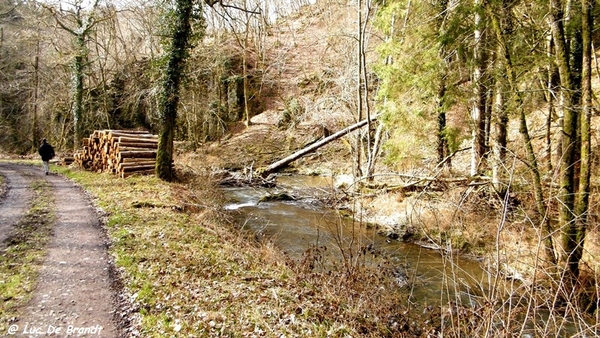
22 257
190 272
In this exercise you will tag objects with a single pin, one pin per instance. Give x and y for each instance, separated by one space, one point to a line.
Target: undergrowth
190 271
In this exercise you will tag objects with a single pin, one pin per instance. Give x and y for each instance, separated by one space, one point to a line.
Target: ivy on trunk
169 98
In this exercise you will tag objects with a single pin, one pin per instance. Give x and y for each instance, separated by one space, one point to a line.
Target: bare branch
211 3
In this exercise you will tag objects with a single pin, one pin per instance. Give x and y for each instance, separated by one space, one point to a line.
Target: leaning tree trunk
307 150
170 92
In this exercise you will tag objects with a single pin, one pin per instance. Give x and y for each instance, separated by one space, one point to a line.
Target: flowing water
296 225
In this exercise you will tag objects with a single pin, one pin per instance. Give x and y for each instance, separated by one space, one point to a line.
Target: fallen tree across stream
298 154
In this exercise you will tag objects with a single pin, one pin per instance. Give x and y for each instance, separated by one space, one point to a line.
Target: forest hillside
480 117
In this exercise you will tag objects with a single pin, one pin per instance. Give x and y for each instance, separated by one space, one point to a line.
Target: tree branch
211 3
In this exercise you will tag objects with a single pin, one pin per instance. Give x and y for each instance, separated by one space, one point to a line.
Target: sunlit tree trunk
359 91
499 108
500 139
478 111
372 143
245 69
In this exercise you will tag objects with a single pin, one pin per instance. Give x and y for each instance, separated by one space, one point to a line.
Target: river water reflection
294 226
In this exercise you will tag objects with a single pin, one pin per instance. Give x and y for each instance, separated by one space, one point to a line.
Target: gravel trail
74 296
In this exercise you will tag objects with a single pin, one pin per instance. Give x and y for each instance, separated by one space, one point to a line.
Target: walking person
47 153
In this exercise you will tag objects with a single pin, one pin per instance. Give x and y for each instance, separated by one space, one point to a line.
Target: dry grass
189 271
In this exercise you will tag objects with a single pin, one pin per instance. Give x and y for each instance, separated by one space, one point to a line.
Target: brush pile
121 152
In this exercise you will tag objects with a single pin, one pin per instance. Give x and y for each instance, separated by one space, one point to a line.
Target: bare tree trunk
245 70
442 137
499 107
83 26
372 148
550 95
582 198
77 91
569 136
359 91
36 87
478 111
500 142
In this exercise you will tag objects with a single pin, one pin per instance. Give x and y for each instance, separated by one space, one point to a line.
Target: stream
296 225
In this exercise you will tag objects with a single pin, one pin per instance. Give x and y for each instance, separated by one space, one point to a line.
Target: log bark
113 135
138 160
132 139
137 154
136 144
285 161
127 168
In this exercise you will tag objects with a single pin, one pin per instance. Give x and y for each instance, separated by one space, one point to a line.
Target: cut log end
120 152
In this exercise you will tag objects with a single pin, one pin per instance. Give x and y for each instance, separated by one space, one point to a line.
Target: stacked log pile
121 152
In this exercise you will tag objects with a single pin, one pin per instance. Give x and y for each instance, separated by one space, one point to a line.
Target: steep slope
310 75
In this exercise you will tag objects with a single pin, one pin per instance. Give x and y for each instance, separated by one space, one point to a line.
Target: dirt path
15 203
74 296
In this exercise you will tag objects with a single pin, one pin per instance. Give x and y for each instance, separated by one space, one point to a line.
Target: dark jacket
46 152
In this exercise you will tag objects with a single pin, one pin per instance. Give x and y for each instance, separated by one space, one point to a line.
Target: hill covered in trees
476 101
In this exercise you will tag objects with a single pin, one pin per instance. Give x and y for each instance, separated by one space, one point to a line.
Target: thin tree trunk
372 149
550 98
81 32
359 93
478 110
499 107
582 199
36 84
245 73
442 137
77 88
500 142
569 136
